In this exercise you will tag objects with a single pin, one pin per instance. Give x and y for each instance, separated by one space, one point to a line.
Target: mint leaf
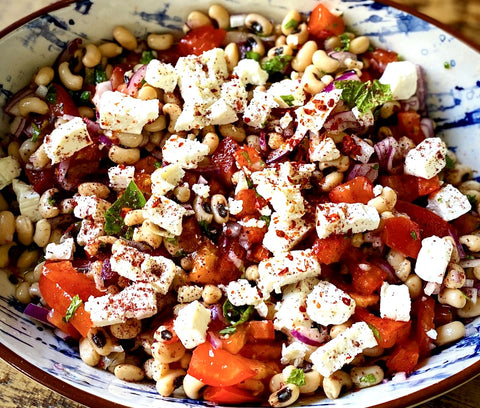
236 315
366 96
72 308
228 330
265 218
133 199
345 41
297 377
450 163
375 332
51 95
277 63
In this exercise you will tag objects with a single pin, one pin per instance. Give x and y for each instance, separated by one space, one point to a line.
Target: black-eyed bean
212 140
313 380
156 126
127 330
87 353
42 233
450 332
47 205
70 80
455 277
336 383
211 294
237 133
44 76
125 37
290 22
13 148
471 309
93 188
280 50
27 148
110 49
452 297
285 396
259 24
149 233
4 254
120 155
338 329
471 241
147 92
311 80
192 386
389 108
34 290
39 158
173 111
3 203
24 229
92 56
167 352
458 174
220 15
255 44
375 351
32 104
129 372
203 210
7 227
325 63
219 206
196 19
414 284
304 56
364 377
22 292
298 38
359 45
170 382
100 340
160 42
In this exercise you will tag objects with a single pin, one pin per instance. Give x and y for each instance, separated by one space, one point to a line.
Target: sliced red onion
136 80
340 121
411 104
202 180
369 170
18 125
386 267
471 293
311 337
214 340
470 263
386 151
341 56
237 20
460 250
432 288
262 140
232 229
61 174
428 127
100 89
11 107
38 313
469 283
346 76
69 52
237 37
421 90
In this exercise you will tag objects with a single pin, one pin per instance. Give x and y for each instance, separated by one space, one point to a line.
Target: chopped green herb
100 74
228 330
205 227
345 43
253 55
265 218
447 65
72 308
450 163
132 198
376 166
236 315
375 332
180 253
36 132
51 95
85 96
288 99
157 164
472 199
146 57
89 76
277 63
172 240
366 96
413 234
51 201
291 24
297 377
246 156
249 183
465 296
368 379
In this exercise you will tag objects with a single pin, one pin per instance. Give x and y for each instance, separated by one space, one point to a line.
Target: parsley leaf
297 377
288 99
35 133
85 96
265 218
345 41
228 330
277 63
368 379
146 57
366 96
235 315
450 163
472 199
100 74
51 95
413 234
375 331
132 198
291 24
253 55
72 308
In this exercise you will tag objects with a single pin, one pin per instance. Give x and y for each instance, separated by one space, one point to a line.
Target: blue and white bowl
453 102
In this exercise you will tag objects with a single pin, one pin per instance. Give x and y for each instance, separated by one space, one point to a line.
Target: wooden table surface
19 391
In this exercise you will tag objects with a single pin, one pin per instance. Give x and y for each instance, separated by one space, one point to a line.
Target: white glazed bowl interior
453 102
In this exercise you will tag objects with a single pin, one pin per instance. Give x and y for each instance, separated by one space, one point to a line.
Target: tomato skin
228 395
379 59
248 157
223 157
41 180
427 186
201 39
356 190
409 125
261 330
390 332
262 351
330 249
367 278
56 319
466 223
403 235
63 104
404 357
218 367
322 23
424 309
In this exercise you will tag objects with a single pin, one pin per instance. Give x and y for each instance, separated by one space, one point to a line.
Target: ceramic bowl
453 102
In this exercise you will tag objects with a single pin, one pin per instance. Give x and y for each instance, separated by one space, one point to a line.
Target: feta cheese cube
166 178
165 213
191 324
123 113
137 301
221 113
60 252
10 170
322 148
127 261
189 293
28 200
286 268
235 94
159 272
90 229
235 206
161 75
120 176
315 112
448 203
287 93
249 71
295 353
187 153
427 159
433 259
327 304
241 293
66 140
341 350
340 218
90 207
395 302
258 110
366 150
283 234
201 190
402 78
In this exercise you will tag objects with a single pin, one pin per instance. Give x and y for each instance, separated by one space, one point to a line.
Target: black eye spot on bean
166 335
284 395
99 339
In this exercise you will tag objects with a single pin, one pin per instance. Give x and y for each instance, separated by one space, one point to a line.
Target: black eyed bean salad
244 212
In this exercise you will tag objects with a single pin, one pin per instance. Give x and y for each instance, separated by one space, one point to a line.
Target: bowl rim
90 400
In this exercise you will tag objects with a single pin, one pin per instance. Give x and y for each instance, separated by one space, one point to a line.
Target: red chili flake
283 272
280 234
346 301
349 146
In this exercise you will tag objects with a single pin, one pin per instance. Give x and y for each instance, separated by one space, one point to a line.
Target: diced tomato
117 77
61 102
356 190
424 309
404 357
367 278
403 235
204 262
223 157
201 39
248 157
322 23
388 332
218 367
444 314
60 300
330 249
57 319
262 351
258 253
253 234
364 300
70 280
379 59
409 125
41 180
429 223
261 329
427 186
404 185
191 238
234 342
143 170
466 223
228 395
249 200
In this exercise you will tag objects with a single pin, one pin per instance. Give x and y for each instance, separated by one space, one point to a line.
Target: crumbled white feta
235 206
448 203
189 293
288 93
11 169
201 190
249 71
340 218
241 293
258 110
341 350
161 75
123 113
402 78
67 139
395 302
187 153
60 252
433 259
90 229
90 207
28 200
191 324
166 178
295 353
315 112
120 176
322 148
366 150
221 113
427 159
